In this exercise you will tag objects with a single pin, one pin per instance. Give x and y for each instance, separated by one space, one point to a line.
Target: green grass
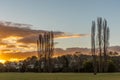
59 76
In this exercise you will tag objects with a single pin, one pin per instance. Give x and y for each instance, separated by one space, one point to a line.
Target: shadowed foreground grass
59 76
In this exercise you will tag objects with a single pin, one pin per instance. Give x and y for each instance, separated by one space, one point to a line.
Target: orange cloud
18 41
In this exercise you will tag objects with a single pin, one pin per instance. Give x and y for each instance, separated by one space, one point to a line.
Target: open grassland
59 76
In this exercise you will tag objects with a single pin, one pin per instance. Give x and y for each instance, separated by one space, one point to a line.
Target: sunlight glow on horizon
2 61
11 60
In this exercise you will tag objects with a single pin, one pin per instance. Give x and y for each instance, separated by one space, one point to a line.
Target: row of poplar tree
99 45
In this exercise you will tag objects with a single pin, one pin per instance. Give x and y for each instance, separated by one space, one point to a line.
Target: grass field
59 76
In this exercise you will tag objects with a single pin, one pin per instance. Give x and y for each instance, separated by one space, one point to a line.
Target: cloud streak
65 36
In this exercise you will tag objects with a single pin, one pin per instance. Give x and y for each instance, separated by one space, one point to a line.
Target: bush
111 66
88 66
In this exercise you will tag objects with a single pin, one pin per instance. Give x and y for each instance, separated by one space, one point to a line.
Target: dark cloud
23 46
29 39
10 46
2 43
57 35
4 50
6 31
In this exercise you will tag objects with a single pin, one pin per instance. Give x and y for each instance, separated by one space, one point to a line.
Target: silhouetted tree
93 47
45 47
88 66
102 42
105 43
111 66
99 27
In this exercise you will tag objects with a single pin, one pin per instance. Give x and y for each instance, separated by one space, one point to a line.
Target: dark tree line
66 63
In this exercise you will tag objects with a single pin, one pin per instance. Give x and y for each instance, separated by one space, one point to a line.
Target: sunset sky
70 19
